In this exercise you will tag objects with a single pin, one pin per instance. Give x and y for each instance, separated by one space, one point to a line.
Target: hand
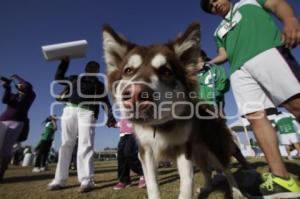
291 33
14 76
109 124
65 59
206 66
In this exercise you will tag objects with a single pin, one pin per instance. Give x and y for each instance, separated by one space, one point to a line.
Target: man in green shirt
287 128
45 143
212 86
256 50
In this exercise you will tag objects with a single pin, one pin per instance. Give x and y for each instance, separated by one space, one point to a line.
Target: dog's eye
165 71
128 71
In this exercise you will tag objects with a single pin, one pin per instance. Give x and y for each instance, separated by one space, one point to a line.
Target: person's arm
220 58
111 121
9 98
62 69
296 125
291 25
54 125
222 82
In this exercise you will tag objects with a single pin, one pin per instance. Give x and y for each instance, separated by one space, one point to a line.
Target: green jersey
49 131
285 125
213 84
246 31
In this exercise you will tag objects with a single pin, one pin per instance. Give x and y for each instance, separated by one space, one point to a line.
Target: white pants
9 133
76 122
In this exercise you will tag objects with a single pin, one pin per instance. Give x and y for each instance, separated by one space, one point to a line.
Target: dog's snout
135 94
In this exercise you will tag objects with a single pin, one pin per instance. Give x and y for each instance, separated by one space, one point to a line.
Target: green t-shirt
285 125
246 31
49 131
212 84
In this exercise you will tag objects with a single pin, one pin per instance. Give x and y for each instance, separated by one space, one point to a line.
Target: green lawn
21 183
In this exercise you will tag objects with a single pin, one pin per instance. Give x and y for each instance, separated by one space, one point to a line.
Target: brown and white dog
153 87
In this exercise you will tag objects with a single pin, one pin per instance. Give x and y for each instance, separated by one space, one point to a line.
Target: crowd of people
257 52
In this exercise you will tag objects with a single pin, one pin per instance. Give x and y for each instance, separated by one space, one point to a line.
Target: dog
154 87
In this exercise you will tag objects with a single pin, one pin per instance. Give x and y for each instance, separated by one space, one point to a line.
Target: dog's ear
187 45
115 48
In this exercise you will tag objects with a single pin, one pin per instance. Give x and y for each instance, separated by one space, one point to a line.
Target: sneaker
265 176
43 169
36 170
54 185
87 186
121 185
276 187
142 182
290 158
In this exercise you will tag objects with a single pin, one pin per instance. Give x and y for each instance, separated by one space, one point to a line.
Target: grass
21 183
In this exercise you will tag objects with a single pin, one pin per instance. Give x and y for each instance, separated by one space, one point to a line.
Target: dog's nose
134 94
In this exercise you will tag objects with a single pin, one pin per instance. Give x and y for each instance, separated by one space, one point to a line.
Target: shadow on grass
293 168
219 184
106 185
46 176
16 179
167 171
105 170
168 179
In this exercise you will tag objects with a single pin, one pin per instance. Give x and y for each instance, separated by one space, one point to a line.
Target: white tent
242 125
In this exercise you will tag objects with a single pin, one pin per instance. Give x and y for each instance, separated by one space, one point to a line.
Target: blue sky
26 25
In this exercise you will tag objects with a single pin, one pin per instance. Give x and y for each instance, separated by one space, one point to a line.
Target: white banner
73 49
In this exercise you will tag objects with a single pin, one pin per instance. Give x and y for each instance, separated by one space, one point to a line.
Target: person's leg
267 139
73 164
68 137
297 146
293 106
40 154
3 130
11 135
48 144
86 133
134 162
132 154
288 150
240 158
123 160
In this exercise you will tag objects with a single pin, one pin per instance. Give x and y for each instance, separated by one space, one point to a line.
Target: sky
26 25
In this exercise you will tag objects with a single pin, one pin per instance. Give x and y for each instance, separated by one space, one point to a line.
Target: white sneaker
86 186
290 158
43 169
36 170
54 185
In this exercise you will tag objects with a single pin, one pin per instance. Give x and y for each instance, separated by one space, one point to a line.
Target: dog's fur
135 74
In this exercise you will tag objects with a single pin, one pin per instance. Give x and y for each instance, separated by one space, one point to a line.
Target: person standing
128 157
79 117
287 128
14 120
258 54
213 83
43 147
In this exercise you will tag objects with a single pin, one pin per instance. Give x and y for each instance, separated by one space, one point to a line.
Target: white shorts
288 139
266 81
